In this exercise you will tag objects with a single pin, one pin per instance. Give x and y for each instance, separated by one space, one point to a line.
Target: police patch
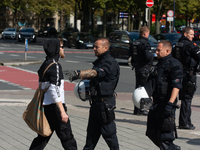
195 44
101 69
176 80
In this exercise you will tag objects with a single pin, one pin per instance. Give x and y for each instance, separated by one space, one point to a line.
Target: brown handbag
34 114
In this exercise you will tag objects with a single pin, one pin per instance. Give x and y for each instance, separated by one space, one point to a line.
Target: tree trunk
104 22
62 22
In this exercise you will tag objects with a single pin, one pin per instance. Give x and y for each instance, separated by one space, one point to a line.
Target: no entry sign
149 3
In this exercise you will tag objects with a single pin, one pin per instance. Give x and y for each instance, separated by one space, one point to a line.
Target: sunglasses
61 46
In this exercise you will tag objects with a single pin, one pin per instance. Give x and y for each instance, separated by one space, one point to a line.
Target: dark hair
166 44
187 30
143 29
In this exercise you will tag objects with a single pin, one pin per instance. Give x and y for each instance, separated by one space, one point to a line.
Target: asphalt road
75 59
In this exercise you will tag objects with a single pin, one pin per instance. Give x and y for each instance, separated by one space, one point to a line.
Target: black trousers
186 101
162 139
185 110
141 75
63 130
96 128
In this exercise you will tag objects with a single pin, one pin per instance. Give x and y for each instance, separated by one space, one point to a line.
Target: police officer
167 79
189 55
142 57
103 80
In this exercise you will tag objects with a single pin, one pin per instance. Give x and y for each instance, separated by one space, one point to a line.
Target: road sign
123 15
170 18
149 3
170 13
26 44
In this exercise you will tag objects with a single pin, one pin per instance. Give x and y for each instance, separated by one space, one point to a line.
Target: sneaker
187 127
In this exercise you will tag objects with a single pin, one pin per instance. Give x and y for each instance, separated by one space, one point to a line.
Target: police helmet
82 90
141 99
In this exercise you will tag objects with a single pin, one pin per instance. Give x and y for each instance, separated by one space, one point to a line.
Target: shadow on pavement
191 141
131 121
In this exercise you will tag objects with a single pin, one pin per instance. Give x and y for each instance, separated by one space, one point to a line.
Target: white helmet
141 99
82 90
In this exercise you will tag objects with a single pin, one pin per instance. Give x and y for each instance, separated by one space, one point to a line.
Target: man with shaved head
103 80
167 79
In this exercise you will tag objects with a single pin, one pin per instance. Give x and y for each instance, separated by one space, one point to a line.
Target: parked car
121 40
50 31
196 33
27 33
171 37
81 40
9 33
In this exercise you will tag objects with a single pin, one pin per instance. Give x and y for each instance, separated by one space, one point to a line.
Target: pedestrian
189 55
54 101
167 78
103 80
141 59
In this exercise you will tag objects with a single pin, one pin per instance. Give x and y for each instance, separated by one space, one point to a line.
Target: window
125 37
116 38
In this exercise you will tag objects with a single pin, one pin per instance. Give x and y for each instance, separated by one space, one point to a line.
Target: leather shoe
177 147
191 125
144 113
187 127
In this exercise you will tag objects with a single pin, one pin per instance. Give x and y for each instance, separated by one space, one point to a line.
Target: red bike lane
24 78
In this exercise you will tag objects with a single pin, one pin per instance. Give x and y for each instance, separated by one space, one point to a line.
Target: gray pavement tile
15 134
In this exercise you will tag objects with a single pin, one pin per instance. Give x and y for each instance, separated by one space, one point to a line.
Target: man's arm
87 74
173 95
63 114
77 74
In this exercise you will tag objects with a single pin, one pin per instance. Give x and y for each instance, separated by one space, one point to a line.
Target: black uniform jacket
107 74
168 74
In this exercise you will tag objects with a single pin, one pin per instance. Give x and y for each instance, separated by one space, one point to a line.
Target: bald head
166 45
105 42
101 46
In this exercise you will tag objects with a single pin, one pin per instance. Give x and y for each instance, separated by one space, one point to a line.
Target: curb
19 62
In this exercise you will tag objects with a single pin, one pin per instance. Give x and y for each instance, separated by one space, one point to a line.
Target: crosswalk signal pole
26 49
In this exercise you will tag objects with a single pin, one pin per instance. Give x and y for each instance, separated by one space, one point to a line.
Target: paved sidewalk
16 135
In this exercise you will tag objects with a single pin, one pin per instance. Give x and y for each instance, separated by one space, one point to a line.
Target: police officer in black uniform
167 80
141 58
103 80
189 55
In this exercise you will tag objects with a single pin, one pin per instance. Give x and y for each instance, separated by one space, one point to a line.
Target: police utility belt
100 99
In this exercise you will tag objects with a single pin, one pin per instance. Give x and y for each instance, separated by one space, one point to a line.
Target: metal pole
174 18
149 21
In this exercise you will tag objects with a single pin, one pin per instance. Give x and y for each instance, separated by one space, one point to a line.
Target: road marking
22 69
72 61
1 53
14 55
13 84
31 57
85 57
125 67
5 45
